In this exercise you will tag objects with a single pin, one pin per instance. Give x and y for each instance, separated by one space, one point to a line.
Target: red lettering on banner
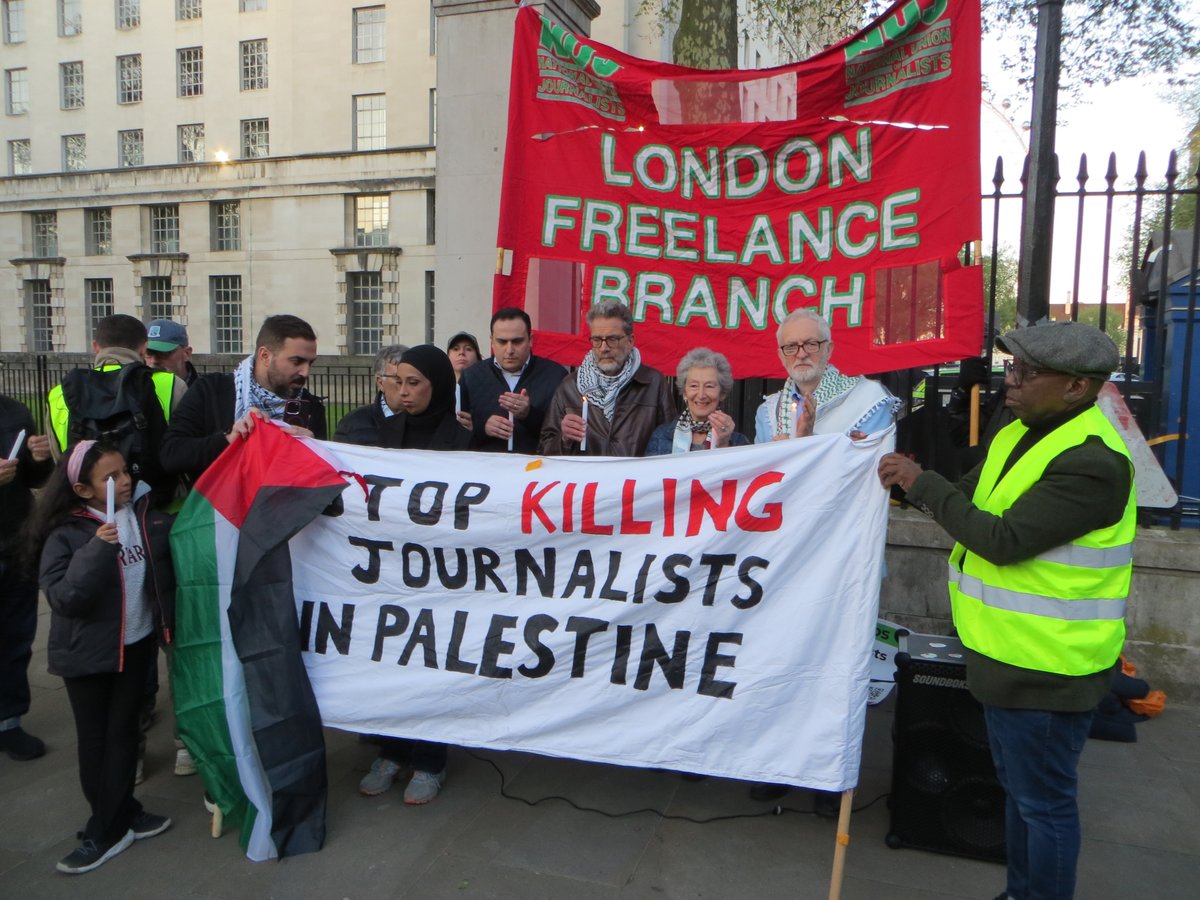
531 506
703 502
668 507
630 525
772 516
589 525
568 516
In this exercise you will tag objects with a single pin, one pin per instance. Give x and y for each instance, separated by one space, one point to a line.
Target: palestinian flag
243 702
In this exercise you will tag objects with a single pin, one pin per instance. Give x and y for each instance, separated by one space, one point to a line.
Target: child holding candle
107 583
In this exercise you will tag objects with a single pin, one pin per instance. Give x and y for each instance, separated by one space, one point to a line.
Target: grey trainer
424 787
379 779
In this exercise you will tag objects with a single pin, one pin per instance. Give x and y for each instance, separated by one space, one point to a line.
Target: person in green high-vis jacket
1039 576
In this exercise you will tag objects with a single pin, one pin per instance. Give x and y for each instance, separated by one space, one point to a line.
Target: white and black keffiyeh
248 392
603 390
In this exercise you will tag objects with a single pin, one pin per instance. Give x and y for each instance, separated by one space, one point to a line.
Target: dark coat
643 405
81 577
15 497
362 425
196 434
483 383
449 435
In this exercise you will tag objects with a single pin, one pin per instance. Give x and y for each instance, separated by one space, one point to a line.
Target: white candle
110 505
457 398
17 445
712 439
583 443
510 434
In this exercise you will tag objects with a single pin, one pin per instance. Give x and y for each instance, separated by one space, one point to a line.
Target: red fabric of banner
713 203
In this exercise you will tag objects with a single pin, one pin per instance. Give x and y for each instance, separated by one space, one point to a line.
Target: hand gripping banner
715 202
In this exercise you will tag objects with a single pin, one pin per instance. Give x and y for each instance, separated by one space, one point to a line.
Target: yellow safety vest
164 387
1061 611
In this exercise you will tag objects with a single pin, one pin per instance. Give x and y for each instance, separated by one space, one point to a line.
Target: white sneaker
424 787
379 779
184 764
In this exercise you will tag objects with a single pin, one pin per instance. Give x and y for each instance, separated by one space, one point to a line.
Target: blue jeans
1036 753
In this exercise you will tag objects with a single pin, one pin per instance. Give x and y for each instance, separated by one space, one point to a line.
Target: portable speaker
945 796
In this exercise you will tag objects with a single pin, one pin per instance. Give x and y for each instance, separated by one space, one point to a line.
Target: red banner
715 202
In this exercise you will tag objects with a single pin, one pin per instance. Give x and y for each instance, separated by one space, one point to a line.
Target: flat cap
1069 347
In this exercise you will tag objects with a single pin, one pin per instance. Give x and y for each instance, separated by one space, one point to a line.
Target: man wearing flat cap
1038 581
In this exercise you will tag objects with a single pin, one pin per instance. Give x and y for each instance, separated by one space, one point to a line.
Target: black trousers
18 625
423 756
106 709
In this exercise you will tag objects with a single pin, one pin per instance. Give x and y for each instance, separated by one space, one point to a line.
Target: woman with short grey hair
704 379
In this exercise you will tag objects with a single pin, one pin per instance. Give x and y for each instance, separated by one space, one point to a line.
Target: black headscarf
420 431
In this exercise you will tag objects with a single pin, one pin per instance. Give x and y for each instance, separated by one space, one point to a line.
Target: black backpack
119 406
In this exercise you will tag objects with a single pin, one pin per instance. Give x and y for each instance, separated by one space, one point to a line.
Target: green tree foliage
1003 267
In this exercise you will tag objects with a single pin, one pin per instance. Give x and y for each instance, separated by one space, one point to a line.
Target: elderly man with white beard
817 398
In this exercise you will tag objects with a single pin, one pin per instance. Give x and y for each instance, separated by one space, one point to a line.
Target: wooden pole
843 841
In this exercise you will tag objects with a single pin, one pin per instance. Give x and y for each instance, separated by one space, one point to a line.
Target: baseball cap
165 336
464 336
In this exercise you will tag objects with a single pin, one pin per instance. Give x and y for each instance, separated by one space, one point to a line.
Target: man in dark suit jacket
508 393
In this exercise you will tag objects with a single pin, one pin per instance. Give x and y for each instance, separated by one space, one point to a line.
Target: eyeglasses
613 340
1016 372
810 347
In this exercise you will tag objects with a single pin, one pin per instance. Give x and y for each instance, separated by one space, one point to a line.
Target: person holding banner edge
1039 578
613 403
704 379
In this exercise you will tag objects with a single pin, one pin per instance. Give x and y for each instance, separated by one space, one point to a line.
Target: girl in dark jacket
106 580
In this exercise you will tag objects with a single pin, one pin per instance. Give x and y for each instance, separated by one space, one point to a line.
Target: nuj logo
565 45
910 17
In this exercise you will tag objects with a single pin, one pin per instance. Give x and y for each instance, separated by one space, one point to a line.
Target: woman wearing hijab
424 382
704 379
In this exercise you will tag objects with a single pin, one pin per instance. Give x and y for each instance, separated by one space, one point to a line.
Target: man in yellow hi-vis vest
1038 582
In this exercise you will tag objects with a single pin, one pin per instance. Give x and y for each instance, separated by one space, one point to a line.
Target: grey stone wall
1164 605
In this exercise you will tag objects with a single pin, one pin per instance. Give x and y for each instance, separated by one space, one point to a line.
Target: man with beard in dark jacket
268 384
509 393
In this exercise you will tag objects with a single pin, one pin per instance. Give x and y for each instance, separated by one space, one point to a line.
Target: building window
130 148
41 321
253 5
191 143
433 117
20 157
368 34
226 225
45 234
98 297
129 78
370 122
226 293
431 217
256 138
97 231
191 71
429 306
164 231
365 311
74 152
70 18
129 14
371 220
156 298
14 21
254 65
16 91
71 76
187 9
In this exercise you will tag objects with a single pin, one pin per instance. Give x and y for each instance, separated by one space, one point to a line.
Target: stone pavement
1141 808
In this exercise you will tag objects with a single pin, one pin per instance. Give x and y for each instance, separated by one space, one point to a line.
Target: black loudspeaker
945 796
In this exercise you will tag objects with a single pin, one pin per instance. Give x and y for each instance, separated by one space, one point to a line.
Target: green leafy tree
1003 268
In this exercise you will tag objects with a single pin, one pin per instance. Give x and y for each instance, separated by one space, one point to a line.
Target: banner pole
843 841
